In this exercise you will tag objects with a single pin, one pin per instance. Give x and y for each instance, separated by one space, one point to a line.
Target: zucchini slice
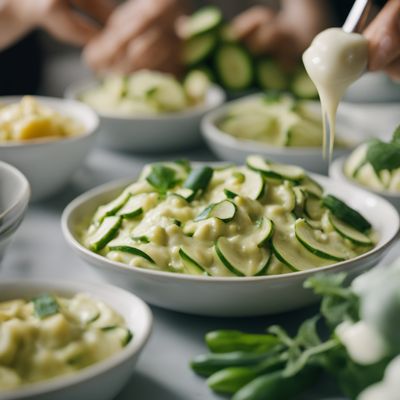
311 186
265 231
345 213
186 194
349 232
302 86
198 48
133 207
204 20
105 233
275 170
112 207
199 179
249 184
225 210
313 207
132 250
196 85
191 266
289 254
233 65
270 76
237 261
124 334
305 234
283 195
229 194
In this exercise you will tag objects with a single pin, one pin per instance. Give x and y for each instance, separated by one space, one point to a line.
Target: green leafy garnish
45 305
162 178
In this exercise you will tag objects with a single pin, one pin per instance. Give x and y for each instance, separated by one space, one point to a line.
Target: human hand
284 34
140 34
383 35
70 21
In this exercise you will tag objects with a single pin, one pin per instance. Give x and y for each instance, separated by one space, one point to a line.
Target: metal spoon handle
358 16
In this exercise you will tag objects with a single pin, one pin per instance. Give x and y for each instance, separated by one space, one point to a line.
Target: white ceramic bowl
100 381
227 147
49 163
218 296
336 171
152 134
14 198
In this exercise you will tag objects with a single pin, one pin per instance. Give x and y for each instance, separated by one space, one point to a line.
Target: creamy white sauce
334 60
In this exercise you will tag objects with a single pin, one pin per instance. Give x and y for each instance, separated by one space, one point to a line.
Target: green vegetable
199 179
225 210
45 305
162 178
134 251
345 213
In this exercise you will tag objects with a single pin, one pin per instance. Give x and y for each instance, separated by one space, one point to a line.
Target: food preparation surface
162 373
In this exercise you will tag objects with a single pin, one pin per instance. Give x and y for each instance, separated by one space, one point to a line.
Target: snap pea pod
275 386
224 341
207 364
230 380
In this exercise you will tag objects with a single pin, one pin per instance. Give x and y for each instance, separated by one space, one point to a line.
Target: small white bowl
227 297
49 163
229 148
14 198
100 381
152 134
336 171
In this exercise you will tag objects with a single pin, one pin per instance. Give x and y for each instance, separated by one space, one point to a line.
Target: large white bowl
49 163
100 381
336 171
217 296
227 147
152 134
14 198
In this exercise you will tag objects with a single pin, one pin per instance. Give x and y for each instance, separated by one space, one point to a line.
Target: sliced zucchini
132 250
198 48
133 207
202 21
253 185
124 334
86 310
313 207
265 231
196 85
275 170
233 65
306 235
345 213
237 261
140 239
302 86
225 210
311 186
229 194
283 195
271 76
104 233
186 194
190 264
290 255
199 179
348 232
112 207
300 199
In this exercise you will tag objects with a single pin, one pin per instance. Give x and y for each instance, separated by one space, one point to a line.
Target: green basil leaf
45 305
383 155
396 136
162 178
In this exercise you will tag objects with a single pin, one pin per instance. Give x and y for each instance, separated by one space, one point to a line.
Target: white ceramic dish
14 198
101 381
214 296
336 171
152 134
49 164
227 147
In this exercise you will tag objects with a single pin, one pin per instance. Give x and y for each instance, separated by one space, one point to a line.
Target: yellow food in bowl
29 119
51 336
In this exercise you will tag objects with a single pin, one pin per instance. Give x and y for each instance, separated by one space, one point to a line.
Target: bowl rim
103 262
26 189
74 90
211 132
337 167
91 371
49 141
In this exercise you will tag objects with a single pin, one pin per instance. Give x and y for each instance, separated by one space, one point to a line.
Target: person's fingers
246 23
265 39
99 10
66 25
383 36
393 70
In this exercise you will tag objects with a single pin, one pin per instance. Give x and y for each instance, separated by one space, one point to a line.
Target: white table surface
162 372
